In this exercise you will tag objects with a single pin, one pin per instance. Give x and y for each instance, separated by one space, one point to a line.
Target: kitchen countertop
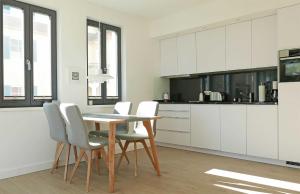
238 103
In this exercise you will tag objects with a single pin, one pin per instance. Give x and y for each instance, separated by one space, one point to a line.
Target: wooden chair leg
96 157
81 153
123 153
122 148
148 152
75 152
89 170
60 147
103 153
67 161
135 164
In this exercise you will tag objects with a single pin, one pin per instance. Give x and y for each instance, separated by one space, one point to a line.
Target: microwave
289 65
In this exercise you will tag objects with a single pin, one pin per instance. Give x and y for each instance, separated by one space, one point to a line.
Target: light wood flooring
182 172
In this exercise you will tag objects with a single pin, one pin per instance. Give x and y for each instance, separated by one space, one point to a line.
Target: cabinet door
233 128
262 131
288 20
238 46
264 39
211 50
289 118
205 126
169 57
187 54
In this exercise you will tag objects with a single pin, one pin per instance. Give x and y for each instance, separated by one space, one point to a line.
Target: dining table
113 120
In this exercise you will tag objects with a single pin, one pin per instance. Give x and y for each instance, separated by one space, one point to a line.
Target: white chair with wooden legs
90 146
58 133
139 133
122 108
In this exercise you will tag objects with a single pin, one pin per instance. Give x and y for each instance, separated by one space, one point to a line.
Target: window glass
112 62
94 65
13 52
42 56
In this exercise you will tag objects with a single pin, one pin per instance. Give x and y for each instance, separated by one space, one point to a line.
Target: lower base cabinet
233 129
173 137
262 131
205 126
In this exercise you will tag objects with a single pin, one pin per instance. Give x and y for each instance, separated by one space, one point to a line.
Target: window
104 56
28 55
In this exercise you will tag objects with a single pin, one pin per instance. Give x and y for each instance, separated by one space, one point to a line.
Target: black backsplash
233 85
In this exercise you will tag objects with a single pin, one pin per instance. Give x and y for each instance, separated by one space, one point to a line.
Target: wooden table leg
111 156
97 125
147 125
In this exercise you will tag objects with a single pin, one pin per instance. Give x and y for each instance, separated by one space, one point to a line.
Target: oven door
290 69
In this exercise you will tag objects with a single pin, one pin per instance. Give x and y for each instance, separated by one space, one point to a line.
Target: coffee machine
272 91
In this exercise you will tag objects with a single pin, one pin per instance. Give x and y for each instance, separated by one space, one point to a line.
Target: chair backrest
56 122
122 108
146 109
76 130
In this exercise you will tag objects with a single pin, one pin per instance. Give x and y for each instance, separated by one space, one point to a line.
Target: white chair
139 134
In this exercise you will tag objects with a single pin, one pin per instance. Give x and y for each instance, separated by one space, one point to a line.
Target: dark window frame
104 99
29 101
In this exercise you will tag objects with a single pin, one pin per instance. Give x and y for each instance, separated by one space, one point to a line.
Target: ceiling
150 9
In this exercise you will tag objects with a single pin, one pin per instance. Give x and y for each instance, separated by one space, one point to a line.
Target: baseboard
225 154
26 169
35 167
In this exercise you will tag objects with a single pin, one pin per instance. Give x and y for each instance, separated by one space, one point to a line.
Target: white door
264 42
289 121
233 128
262 131
186 54
169 65
288 20
211 50
238 46
205 126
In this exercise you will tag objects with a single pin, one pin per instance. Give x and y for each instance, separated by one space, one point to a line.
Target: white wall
211 12
25 145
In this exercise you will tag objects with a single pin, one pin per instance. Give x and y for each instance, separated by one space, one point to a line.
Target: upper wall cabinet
186 54
238 46
264 38
211 50
288 27
168 50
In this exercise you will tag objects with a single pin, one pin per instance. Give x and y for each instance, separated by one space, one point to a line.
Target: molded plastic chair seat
97 142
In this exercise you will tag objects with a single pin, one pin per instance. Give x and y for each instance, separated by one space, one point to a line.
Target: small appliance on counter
216 97
262 92
166 97
201 97
274 93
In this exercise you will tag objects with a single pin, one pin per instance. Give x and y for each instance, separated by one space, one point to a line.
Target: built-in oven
289 65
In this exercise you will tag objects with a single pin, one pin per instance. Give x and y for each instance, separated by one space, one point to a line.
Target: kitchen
151 96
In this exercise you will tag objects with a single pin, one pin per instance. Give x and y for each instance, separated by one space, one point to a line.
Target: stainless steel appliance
289 65
216 96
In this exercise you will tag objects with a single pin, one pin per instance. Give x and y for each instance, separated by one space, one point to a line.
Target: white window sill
21 109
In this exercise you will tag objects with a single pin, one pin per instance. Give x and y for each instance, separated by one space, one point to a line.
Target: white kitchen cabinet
211 50
288 28
289 121
233 128
169 64
205 126
186 54
262 131
264 42
174 127
238 46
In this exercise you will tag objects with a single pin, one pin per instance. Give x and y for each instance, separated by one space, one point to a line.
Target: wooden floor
182 172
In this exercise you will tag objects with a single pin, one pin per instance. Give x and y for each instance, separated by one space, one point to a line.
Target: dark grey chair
58 133
78 135
139 133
